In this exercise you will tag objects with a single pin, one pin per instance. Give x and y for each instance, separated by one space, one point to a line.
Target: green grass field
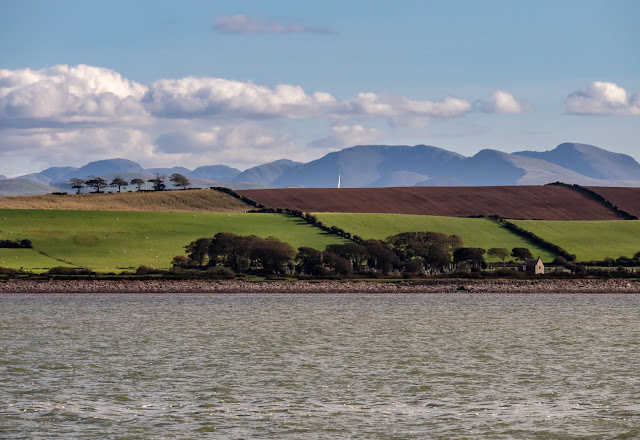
589 240
475 232
29 259
108 240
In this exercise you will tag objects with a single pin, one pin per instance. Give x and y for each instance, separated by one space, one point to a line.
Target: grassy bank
475 232
200 200
29 259
107 240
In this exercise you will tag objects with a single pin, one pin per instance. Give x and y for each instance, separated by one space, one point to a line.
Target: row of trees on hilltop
409 252
97 184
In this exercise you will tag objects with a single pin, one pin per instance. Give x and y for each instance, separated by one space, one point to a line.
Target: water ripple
319 366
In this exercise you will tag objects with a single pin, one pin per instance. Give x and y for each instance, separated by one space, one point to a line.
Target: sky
241 83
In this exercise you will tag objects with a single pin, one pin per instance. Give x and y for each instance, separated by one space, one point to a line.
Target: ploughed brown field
516 202
627 199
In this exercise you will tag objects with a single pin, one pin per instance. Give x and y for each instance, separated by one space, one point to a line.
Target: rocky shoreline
234 286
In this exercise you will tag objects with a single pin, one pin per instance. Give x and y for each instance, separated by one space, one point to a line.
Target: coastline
361 287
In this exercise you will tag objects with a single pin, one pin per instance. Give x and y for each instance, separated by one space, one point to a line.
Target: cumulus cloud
502 102
401 111
603 98
345 135
243 24
201 97
85 111
69 94
86 94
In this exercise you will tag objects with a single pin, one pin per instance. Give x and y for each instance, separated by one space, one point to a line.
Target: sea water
454 366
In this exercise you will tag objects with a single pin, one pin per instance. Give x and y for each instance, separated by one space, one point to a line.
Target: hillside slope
192 200
492 167
521 202
111 240
474 232
364 165
627 199
101 167
589 240
265 173
12 187
590 161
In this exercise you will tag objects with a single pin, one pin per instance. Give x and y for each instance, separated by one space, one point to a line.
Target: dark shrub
413 266
147 270
559 260
220 273
59 270
180 261
318 269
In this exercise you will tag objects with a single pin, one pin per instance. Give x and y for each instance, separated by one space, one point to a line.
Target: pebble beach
234 286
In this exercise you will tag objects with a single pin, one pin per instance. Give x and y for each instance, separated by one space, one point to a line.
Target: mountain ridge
391 165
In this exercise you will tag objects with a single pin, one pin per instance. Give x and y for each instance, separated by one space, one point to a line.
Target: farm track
514 202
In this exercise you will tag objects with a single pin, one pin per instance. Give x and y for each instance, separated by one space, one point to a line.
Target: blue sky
246 82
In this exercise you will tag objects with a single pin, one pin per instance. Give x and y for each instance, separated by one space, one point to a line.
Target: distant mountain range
373 166
422 165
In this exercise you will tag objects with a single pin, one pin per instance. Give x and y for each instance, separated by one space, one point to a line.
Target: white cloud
401 111
502 102
603 98
214 97
85 94
202 97
243 24
64 114
75 147
343 136
68 94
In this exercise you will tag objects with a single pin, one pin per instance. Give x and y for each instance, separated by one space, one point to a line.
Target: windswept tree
381 257
158 182
501 253
179 180
97 183
339 265
240 253
138 183
232 250
198 251
310 261
454 242
356 253
433 249
76 184
118 182
521 253
473 256
272 254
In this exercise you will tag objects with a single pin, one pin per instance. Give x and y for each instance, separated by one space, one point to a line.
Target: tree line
598 198
16 244
98 184
408 252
